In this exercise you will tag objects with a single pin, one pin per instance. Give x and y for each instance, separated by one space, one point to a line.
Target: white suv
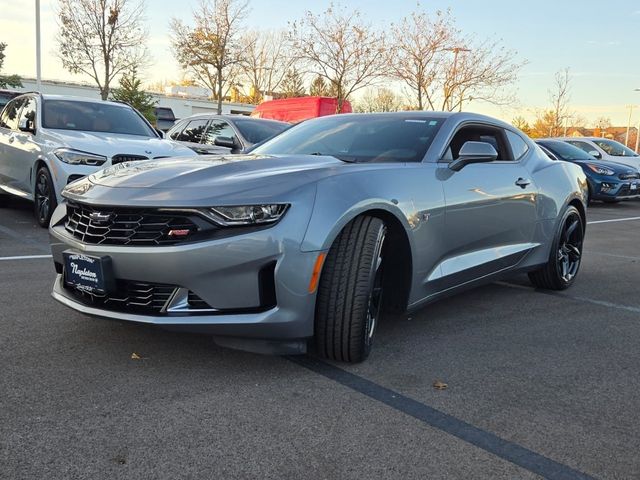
605 150
47 141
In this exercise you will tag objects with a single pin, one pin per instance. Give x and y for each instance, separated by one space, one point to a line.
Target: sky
598 41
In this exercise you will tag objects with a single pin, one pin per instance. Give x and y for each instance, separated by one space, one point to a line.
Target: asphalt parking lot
539 384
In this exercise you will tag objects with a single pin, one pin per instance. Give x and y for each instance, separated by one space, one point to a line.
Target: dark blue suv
608 181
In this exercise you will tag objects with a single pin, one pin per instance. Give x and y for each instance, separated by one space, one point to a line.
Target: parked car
605 150
320 230
47 141
298 109
6 95
608 181
222 134
165 118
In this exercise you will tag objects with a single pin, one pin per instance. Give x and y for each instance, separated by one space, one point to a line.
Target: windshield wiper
320 154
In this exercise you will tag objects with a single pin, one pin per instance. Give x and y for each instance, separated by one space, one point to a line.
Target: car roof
75 98
228 116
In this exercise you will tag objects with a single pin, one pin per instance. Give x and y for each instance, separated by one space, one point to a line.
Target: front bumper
223 272
615 190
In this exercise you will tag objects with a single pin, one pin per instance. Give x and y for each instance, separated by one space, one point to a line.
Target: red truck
297 109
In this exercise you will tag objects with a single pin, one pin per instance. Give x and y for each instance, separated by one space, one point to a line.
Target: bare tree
473 70
603 123
211 49
265 62
337 46
559 98
416 54
101 38
379 100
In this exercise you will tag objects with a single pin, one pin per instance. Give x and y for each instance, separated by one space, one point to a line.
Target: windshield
614 148
359 138
564 151
256 131
93 117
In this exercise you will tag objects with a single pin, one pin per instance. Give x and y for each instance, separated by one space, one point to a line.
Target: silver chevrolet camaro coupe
312 236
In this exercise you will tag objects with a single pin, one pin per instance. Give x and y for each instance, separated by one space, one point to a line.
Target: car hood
110 144
187 181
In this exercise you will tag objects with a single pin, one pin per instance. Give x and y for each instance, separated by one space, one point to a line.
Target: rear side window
582 146
218 128
9 118
518 146
193 131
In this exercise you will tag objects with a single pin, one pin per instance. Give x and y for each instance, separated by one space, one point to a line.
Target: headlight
601 170
248 214
76 157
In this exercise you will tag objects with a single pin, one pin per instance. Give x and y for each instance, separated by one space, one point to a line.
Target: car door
25 148
8 129
490 208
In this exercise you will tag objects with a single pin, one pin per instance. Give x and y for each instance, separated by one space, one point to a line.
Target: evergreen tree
131 92
319 88
11 80
293 84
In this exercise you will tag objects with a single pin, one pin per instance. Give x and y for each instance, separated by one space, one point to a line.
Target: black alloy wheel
561 269
45 197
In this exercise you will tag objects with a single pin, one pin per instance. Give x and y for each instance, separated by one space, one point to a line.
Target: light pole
626 138
456 51
38 73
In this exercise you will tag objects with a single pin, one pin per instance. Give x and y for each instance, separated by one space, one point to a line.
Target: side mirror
26 125
595 153
226 142
474 152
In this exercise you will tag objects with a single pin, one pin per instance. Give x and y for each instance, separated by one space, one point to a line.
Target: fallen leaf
135 356
440 385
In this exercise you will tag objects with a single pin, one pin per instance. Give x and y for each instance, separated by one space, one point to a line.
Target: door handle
11 139
523 182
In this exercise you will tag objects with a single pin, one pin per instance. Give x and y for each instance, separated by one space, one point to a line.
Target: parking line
25 257
487 441
601 303
613 220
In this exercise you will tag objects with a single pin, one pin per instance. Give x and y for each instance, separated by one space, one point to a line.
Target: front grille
120 158
625 191
629 176
130 226
130 297
137 297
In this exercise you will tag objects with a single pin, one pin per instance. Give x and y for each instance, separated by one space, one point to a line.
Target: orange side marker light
315 276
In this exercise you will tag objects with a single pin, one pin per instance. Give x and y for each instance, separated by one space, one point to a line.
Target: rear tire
350 292
561 269
45 201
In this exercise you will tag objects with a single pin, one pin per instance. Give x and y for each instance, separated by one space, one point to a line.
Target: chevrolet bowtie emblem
99 217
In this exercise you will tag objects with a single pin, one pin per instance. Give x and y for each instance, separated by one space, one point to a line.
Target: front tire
45 201
348 306
561 269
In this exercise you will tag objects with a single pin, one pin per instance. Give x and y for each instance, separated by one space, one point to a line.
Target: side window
518 146
28 112
193 131
582 146
218 128
478 133
10 113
